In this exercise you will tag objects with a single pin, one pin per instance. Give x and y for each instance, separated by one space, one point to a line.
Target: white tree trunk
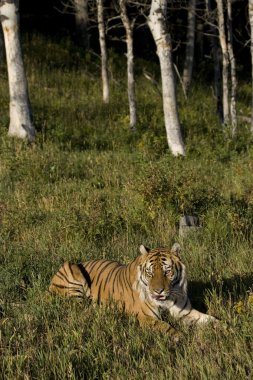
251 50
157 25
20 111
1 44
102 42
190 44
216 59
82 19
200 39
225 60
128 25
232 68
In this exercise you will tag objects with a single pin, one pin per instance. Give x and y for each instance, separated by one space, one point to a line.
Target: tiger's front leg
158 325
196 317
183 311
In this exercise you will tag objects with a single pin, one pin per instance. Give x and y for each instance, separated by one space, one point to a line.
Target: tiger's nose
159 290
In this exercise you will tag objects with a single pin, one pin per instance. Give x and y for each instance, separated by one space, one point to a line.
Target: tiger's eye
168 272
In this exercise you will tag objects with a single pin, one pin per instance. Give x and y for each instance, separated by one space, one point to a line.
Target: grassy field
90 188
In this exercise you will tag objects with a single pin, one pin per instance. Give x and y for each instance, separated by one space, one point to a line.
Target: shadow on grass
235 287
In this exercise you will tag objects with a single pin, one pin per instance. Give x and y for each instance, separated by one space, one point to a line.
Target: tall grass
90 188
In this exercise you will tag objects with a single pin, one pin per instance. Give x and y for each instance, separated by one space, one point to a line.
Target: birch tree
225 60
215 49
251 50
20 111
190 44
81 19
228 64
129 25
1 44
103 51
158 27
232 68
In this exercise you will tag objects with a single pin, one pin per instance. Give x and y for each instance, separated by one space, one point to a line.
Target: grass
91 188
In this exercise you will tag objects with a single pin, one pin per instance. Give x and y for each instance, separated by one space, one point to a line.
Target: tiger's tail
71 280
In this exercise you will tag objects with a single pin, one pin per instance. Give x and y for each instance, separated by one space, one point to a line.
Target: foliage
90 188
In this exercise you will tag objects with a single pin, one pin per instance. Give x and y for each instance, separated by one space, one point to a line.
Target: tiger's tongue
159 298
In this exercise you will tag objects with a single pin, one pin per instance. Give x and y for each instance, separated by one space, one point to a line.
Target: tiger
154 282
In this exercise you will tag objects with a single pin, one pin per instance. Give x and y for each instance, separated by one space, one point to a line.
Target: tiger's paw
214 321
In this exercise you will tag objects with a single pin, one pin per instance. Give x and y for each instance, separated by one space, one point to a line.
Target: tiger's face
162 274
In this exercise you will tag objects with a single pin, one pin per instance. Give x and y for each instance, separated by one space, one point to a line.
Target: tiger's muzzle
159 294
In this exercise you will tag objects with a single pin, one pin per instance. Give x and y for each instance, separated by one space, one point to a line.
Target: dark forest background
55 18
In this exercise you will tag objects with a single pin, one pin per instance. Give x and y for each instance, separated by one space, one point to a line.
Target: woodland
102 153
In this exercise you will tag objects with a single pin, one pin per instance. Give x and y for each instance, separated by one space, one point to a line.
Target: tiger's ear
176 249
144 250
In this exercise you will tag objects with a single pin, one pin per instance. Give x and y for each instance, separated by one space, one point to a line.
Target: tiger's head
161 274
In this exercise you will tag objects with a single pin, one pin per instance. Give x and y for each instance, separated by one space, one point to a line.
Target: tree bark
216 53
190 44
251 50
103 51
1 44
82 19
225 60
157 25
128 25
20 110
232 68
200 40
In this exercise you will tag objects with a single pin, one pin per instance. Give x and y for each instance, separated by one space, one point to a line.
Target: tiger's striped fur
155 281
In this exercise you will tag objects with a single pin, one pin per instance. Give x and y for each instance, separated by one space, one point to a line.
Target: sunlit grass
91 188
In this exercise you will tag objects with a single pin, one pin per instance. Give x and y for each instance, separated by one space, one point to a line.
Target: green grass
90 188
